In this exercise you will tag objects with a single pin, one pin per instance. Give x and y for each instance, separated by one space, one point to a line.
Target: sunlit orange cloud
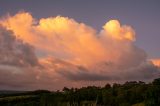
77 41
115 30
156 62
21 25
72 51
72 41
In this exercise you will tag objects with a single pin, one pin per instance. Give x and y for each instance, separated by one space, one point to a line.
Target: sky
48 44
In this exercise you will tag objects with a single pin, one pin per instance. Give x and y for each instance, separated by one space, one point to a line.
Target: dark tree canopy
131 93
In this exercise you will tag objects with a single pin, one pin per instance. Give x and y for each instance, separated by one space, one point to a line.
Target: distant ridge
11 91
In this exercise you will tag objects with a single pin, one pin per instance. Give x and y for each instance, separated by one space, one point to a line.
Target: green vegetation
129 94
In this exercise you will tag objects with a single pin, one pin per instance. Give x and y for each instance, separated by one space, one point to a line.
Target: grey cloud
145 71
82 75
17 62
14 51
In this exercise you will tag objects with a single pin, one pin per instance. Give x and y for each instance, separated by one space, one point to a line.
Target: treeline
131 93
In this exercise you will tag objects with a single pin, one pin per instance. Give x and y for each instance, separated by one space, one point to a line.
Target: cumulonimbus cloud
59 49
